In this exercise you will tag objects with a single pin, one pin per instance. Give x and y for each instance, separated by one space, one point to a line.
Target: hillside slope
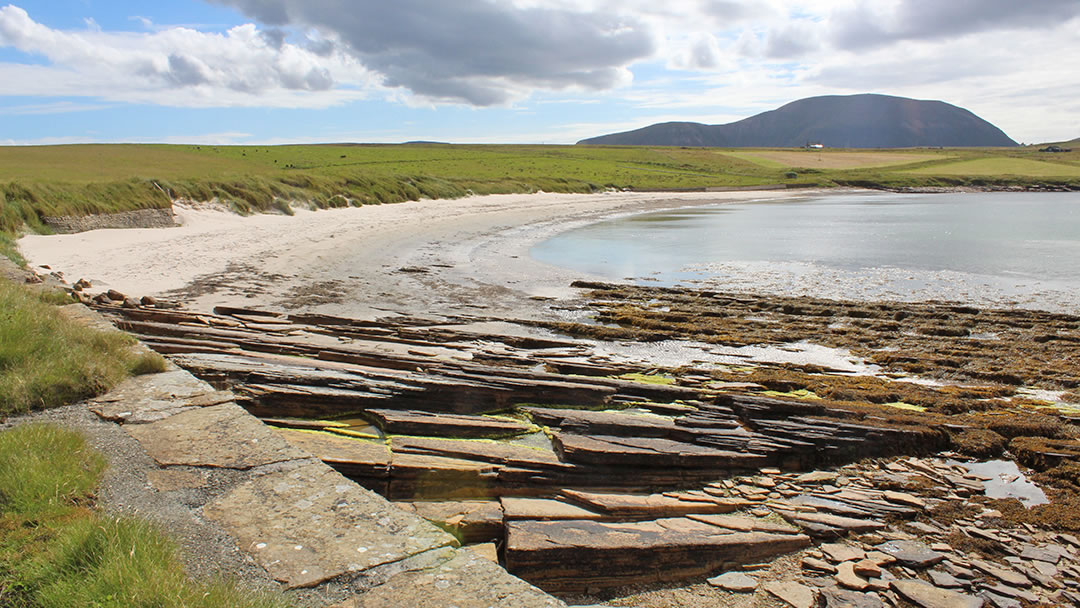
851 121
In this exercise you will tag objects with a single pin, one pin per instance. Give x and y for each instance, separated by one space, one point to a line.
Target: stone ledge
300 520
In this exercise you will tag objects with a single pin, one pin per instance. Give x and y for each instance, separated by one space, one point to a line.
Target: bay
1005 249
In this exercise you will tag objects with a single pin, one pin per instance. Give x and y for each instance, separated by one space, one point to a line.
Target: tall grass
57 552
48 360
45 470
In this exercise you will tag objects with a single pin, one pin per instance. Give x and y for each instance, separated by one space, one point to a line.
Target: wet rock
734 581
912 554
926 595
794 594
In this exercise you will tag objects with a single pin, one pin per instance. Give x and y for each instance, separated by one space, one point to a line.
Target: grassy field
78 180
47 360
1002 166
57 550
835 159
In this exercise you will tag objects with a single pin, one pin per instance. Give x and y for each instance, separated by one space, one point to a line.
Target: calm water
993 248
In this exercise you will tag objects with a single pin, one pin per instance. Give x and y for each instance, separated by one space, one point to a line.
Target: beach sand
433 257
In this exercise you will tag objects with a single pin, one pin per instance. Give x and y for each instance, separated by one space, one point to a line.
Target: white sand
474 253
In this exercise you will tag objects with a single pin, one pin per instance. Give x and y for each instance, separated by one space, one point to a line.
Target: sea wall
140 218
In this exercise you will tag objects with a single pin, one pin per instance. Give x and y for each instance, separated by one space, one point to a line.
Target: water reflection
1001 248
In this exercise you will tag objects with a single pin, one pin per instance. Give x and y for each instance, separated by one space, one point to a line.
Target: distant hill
837 121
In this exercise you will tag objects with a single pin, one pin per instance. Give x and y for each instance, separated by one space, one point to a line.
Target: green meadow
84 179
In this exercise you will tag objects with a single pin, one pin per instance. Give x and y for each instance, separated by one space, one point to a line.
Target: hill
837 121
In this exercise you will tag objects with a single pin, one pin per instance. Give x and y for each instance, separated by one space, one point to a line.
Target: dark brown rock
572 556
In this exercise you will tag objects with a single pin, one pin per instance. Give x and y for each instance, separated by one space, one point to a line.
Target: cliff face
852 121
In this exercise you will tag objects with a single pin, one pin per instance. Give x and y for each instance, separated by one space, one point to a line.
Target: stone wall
140 218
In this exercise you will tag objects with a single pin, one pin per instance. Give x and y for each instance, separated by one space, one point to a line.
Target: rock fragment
734 581
795 594
926 595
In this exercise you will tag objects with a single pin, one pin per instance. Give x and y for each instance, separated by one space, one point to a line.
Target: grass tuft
57 552
44 470
47 360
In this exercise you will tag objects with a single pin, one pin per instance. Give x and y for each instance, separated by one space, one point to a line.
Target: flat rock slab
311 524
734 581
409 422
478 449
837 522
153 397
546 509
842 598
738 523
572 556
926 595
418 477
472 521
222 436
469 580
650 505
650 452
792 593
590 422
350 456
911 553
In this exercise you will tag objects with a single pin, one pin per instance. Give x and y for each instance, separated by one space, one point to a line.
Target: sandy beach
453 257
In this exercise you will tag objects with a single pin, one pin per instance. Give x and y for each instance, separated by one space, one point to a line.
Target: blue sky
511 71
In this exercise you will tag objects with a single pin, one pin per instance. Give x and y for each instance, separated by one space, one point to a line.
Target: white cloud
175 66
1011 62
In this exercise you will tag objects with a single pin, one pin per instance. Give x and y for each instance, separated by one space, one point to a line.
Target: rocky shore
613 444
605 478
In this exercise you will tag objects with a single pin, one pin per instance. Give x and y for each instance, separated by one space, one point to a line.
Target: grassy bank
47 360
78 180
57 550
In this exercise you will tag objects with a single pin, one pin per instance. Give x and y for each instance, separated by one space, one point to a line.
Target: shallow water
1005 480
1009 249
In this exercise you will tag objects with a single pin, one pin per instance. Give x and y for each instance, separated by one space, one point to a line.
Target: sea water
999 248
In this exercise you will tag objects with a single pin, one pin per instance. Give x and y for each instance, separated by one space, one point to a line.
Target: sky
512 71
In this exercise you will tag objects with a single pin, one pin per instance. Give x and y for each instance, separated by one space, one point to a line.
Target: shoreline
452 257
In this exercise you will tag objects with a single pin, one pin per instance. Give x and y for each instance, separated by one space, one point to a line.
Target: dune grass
56 550
48 360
